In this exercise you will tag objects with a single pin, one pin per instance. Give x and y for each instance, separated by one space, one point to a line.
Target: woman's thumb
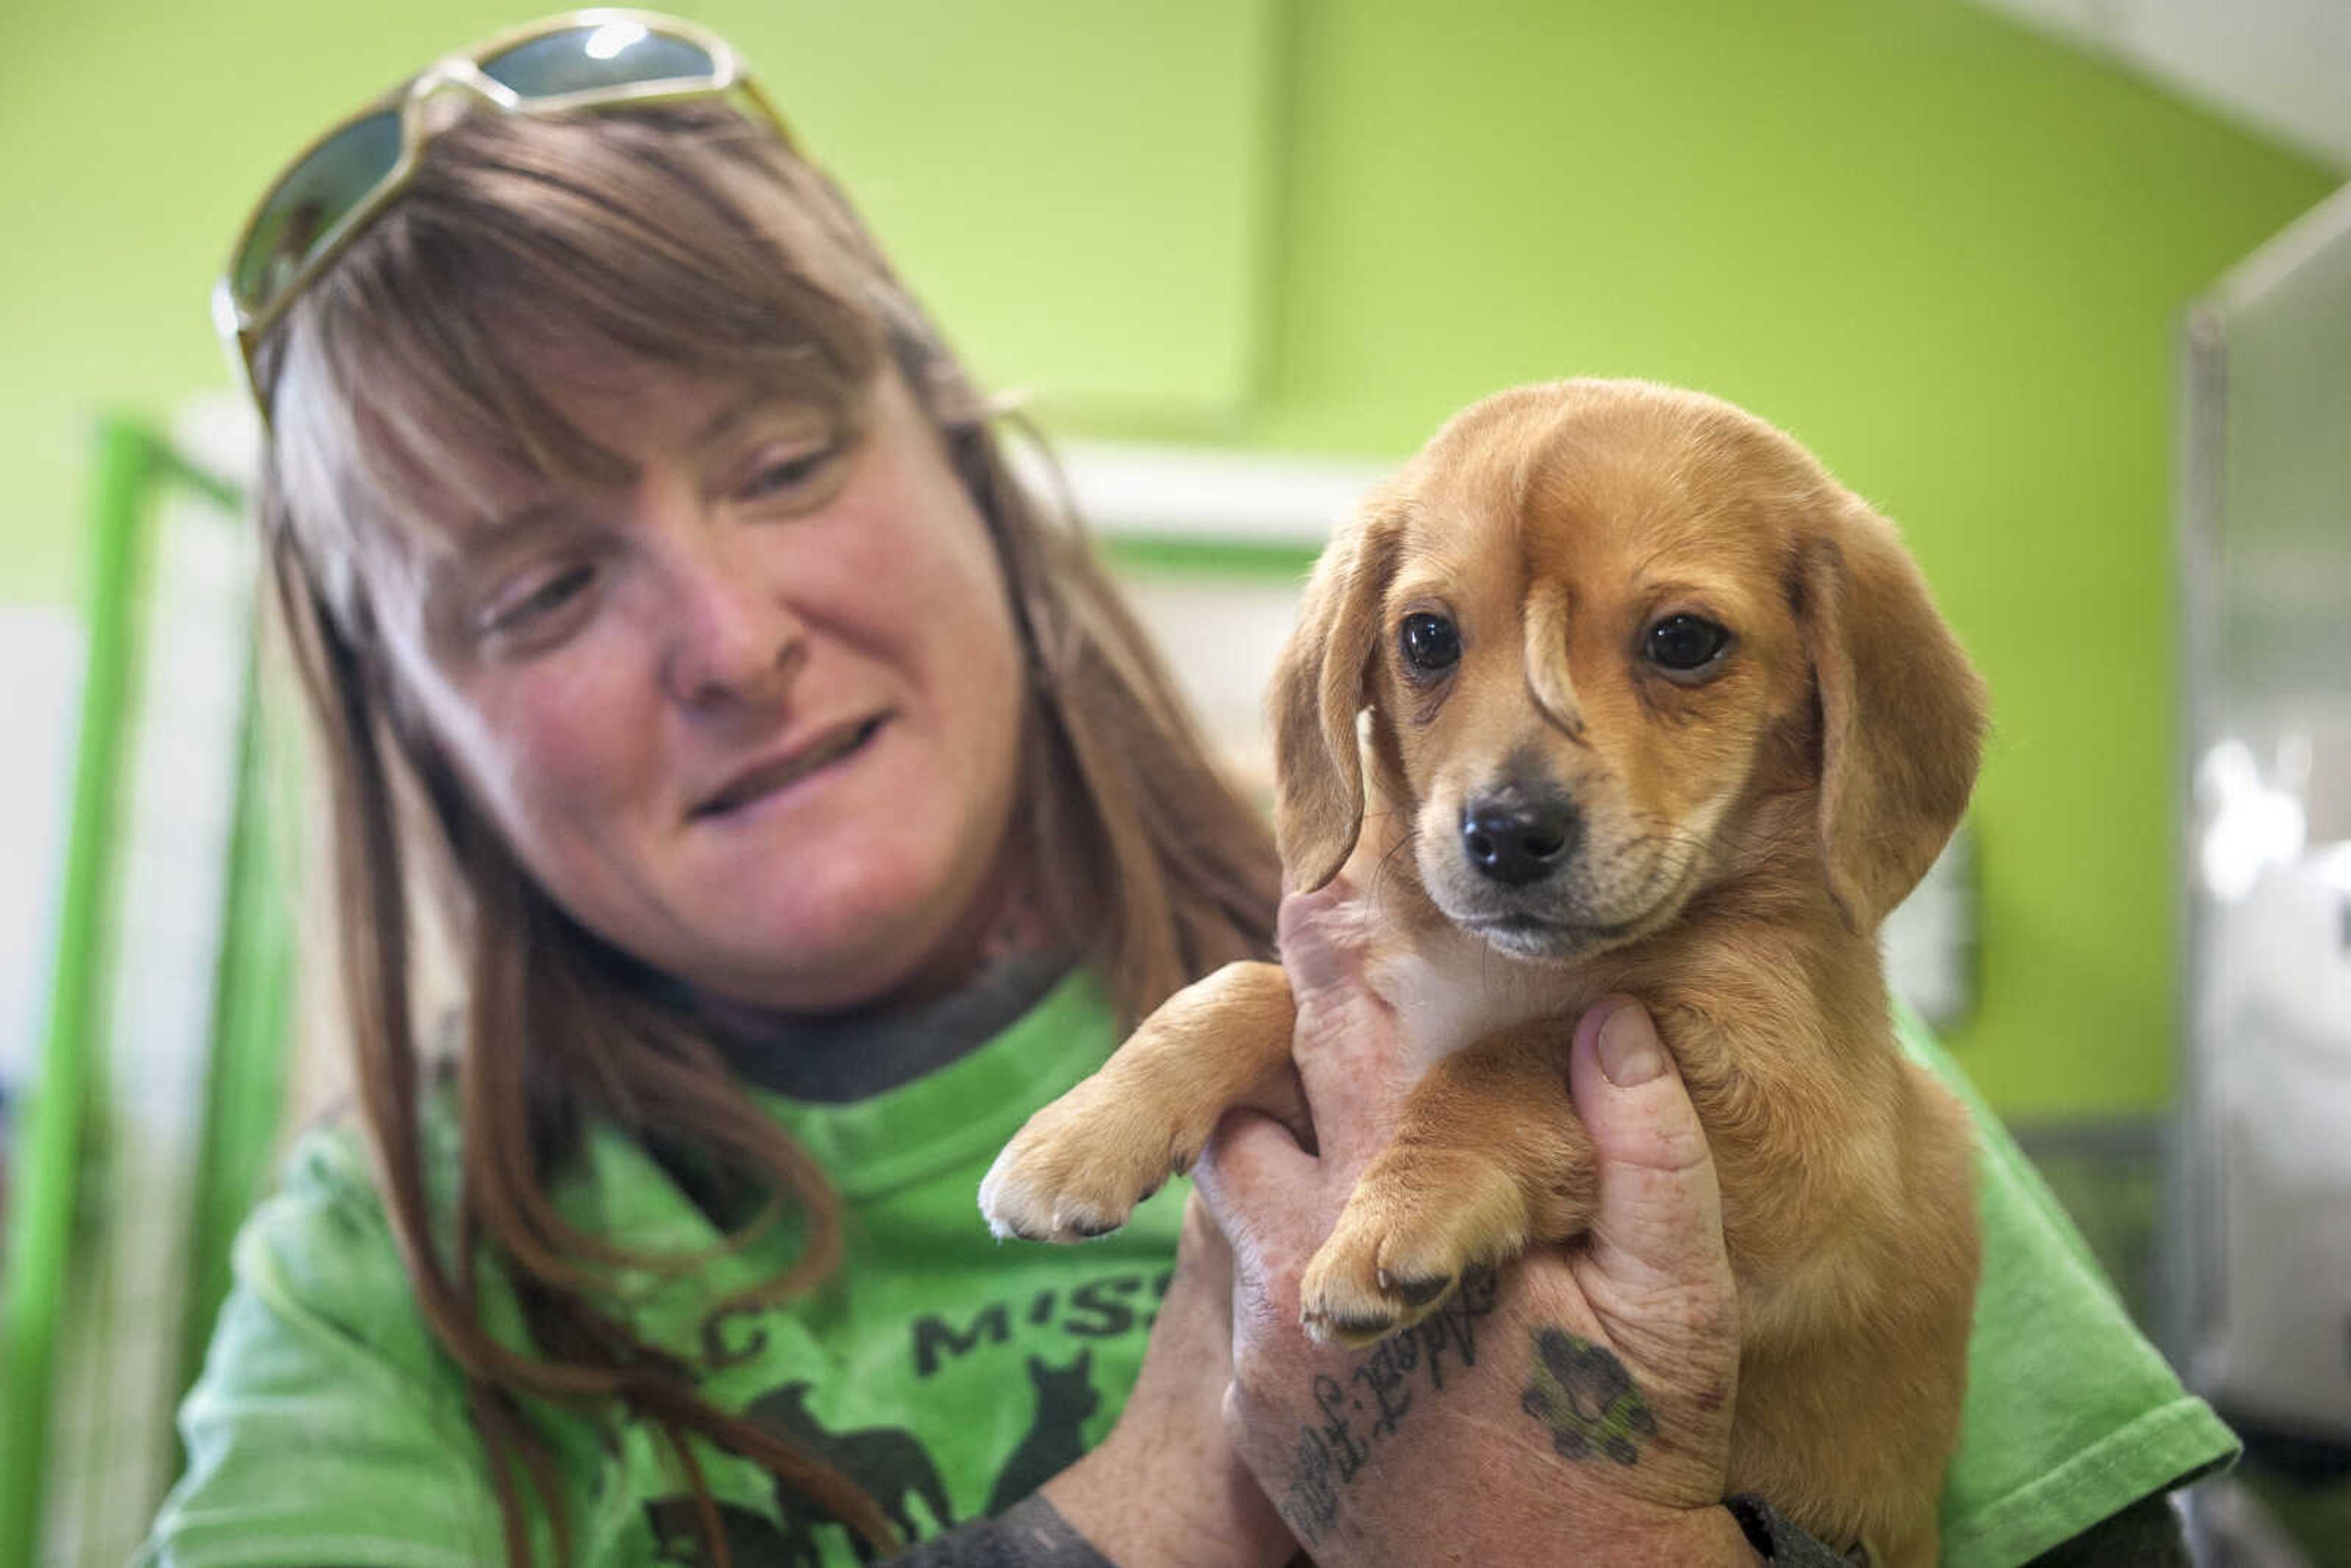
1314 936
1658 1224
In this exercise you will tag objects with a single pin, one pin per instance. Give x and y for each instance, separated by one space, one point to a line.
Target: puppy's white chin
1540 939
1537 941
1536 946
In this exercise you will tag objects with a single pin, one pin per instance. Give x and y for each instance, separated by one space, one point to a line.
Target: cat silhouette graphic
1065 1397
891 1464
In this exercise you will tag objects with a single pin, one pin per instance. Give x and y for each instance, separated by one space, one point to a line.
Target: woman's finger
1258 1185
1658 1227
1251 1176
1308 927
1202 1253
1344 1045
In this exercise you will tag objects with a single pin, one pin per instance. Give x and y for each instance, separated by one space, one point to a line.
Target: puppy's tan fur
1738 839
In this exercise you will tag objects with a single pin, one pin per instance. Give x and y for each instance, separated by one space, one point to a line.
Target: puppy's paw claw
1020 1202
1009 1230
1349 1334
1341 1301
1408 1232
1420 1291
1079 1168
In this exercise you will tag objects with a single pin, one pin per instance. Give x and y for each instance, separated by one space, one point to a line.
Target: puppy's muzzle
1516 836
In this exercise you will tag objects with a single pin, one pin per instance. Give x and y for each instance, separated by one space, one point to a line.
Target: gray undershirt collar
846 1057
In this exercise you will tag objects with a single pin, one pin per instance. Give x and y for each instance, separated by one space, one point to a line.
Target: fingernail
1629 1052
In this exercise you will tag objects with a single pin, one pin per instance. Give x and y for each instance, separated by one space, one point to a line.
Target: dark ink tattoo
1347 1452
1384 1380
1377 1393
1582 1393
1311 1505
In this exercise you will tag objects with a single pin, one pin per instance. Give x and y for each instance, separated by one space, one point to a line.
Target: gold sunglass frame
242 329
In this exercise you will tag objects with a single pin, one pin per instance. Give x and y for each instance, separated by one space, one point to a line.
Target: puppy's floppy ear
1320 683
1901 712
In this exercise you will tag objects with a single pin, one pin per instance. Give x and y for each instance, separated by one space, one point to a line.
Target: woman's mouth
763 779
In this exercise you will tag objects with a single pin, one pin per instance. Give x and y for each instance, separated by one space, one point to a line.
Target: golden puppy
1655 706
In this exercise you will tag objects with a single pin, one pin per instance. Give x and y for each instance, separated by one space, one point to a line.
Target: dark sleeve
1778 1542
2147 1534
1029 1534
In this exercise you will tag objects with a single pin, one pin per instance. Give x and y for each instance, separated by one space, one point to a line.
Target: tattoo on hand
1357 1413
1582 1393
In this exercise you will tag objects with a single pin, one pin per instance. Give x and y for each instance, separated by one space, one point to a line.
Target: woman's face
753 717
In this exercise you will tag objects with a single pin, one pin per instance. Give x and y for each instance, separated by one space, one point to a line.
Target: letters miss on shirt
1099 1309
890 1463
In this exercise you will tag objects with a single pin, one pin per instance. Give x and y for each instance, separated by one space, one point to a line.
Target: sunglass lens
608 54
315 195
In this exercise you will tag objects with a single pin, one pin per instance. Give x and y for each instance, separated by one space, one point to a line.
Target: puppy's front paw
1082 1163
1412 1225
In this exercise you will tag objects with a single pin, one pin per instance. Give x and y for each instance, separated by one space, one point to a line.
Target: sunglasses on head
343 181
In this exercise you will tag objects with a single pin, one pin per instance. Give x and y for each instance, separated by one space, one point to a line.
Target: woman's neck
836 1058
997 963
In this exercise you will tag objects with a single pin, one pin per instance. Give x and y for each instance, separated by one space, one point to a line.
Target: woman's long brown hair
687 239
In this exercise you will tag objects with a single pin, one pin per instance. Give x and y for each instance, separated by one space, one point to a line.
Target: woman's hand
1166 1489
1575 1408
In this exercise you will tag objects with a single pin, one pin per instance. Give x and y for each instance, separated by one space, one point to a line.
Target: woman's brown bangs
529 257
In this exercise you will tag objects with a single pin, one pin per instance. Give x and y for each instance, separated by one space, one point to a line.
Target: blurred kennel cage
148 1088
2257 1263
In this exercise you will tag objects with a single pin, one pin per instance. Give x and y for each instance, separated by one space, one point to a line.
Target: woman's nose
735 642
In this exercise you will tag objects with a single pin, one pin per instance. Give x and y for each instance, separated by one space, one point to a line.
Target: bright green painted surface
136 134
1078 190
1948 255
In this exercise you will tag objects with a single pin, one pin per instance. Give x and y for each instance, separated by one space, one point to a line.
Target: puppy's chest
1451 993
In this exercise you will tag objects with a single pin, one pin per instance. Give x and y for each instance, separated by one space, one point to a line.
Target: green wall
1948 255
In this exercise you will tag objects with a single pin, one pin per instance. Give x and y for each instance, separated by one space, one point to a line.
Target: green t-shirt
949 1373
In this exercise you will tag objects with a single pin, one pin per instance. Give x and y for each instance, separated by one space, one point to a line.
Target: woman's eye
1682 644
1431 643
523 612
787 473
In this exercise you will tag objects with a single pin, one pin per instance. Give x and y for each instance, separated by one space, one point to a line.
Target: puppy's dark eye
1431 644
1685 643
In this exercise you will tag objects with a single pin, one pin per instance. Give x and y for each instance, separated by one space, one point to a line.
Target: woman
809 810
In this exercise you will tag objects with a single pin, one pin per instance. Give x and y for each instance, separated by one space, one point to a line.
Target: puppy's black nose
1515 839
